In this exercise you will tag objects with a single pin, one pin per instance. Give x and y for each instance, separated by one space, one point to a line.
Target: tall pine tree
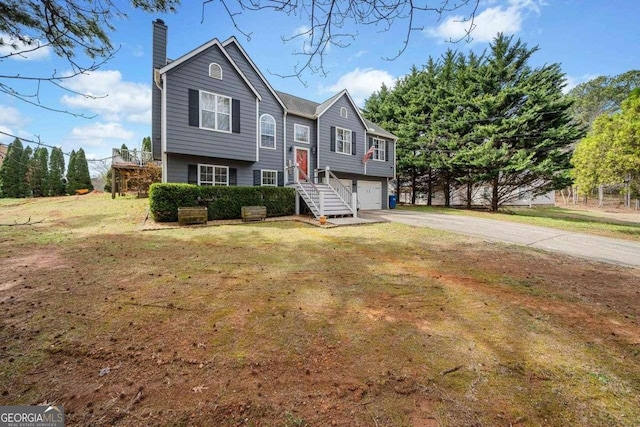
57 186
526 128
72 180
82 171
39 181
13 173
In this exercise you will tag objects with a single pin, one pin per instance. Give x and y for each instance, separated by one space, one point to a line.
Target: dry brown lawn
285 324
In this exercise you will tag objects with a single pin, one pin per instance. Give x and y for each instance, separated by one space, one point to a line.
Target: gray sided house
216 120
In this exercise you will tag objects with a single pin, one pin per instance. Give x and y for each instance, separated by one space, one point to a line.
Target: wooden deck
127 162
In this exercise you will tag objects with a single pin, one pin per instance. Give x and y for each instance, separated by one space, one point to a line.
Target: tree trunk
601 196
469 194
494 195
447 193
429 189
414 185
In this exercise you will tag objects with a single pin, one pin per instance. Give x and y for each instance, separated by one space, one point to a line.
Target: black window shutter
353 142
192 174
333 138
235 115
280 179
370 142
387 149
233 176
257 177
194 108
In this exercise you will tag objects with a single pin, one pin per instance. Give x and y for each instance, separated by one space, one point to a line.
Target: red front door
302 159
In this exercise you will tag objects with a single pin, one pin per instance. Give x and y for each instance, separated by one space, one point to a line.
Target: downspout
257 130
284 149
318 143
163 130
365 151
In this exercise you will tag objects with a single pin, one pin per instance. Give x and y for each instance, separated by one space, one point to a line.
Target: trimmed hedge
223 202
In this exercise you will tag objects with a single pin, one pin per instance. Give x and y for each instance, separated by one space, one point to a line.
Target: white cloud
10 120
105 135
486 24
572 81
110 97
6 139
23 51
361 83
11 117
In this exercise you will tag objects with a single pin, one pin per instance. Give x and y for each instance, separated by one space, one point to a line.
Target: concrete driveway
597 248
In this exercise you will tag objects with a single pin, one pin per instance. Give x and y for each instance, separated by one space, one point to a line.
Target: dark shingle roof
304 107
298 105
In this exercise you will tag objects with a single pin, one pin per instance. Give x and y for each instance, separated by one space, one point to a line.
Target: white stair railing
343 192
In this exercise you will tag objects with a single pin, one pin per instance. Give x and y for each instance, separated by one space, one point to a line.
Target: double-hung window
269 178
300 133
215 111
213 175
343 141
380 152
267 131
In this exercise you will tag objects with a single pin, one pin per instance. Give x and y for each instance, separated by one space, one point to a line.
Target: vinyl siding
377 167
269 159
339 162
291 121
178 167
185 139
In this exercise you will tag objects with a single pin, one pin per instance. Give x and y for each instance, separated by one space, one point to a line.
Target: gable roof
305 108
233 40
186 57
322 108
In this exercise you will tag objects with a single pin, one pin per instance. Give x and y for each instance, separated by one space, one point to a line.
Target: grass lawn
284 324
578 221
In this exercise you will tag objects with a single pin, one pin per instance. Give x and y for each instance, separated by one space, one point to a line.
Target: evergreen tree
57 186
146 144
526 126
489 119
602 95
82 171
13 172
26 162
72 180
39 181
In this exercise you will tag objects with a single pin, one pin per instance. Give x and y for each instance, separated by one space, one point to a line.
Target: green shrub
222 202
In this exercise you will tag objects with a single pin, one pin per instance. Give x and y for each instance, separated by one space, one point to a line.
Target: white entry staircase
330 199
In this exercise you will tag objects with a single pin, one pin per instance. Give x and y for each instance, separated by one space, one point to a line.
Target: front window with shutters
343 141
215 112
269 178
213 175
380 152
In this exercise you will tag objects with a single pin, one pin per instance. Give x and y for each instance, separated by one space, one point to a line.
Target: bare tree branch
27 222
75 30
333 23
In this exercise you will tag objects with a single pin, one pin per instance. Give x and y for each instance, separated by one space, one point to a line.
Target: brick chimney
159 61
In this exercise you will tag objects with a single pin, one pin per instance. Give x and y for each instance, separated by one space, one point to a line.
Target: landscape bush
222 202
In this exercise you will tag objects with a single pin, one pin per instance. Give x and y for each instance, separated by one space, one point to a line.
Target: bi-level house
216 120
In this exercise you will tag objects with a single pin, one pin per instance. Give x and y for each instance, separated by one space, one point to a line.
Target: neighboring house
216 120
3 152
481 196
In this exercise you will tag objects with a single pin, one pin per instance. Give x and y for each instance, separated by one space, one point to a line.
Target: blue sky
588 38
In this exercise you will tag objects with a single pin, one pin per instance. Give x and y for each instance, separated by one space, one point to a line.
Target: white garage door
369 195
